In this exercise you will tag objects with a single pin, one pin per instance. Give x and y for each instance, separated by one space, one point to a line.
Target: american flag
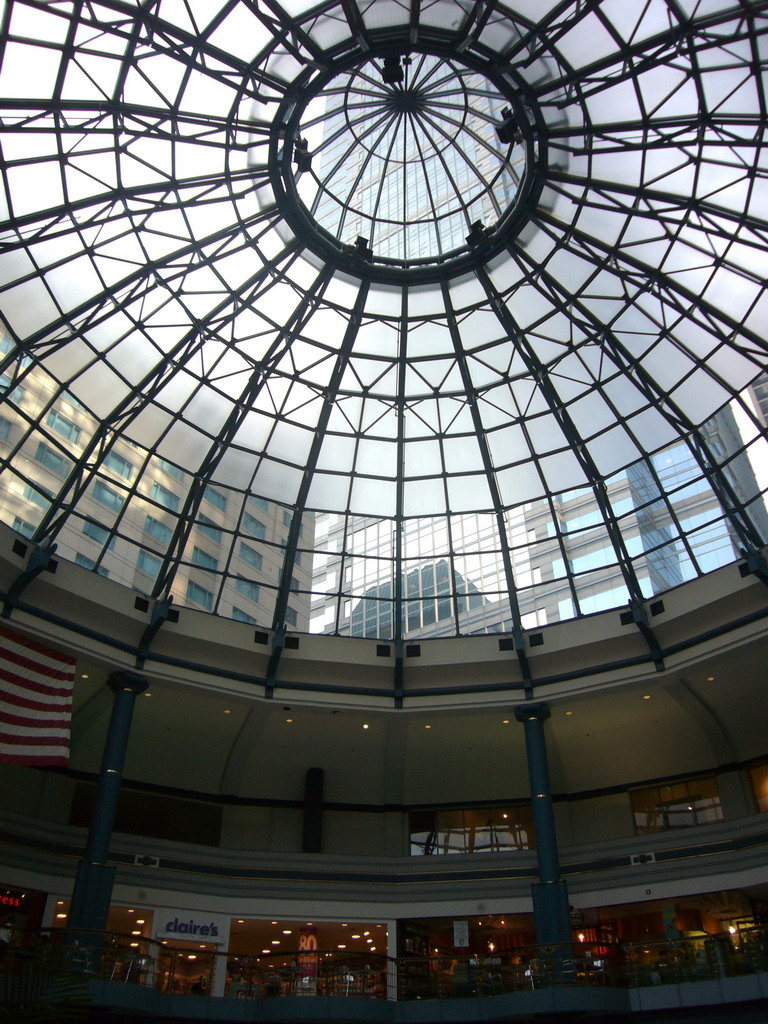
35 701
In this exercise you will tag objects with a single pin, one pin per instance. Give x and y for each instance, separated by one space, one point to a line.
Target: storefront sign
191 925
307 964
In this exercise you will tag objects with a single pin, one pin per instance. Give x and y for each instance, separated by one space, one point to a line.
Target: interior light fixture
646 696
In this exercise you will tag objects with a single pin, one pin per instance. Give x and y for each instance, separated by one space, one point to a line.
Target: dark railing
140 961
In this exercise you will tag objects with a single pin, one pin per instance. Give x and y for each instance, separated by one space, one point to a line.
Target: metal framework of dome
386 319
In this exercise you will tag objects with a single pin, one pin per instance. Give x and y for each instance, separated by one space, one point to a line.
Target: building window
23 527
247 589
249 555
170 469
287 518
119 465
200 595
150 564
16 395
33 495
52 460
165 497
294 585
89 563
759 776
5 428
66 428
208 527
202 558
94 531
158 530
241 616
678 805
108 496
476 830
291 616
260 502
254 526
216 498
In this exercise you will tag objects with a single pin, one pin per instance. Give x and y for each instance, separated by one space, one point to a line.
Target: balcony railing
54 964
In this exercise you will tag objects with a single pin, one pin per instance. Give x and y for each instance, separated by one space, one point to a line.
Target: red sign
307 963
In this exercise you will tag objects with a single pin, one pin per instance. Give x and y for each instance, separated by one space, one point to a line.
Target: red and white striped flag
35 701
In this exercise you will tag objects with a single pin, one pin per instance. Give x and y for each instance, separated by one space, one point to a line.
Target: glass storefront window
474 830
677 805
759 776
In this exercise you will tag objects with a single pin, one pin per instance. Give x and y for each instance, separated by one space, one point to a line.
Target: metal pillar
550 893
93 882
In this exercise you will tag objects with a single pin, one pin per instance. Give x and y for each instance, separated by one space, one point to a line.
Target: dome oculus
408 161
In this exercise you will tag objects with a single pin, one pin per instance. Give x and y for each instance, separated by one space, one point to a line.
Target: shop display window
676 805
759 777
473 830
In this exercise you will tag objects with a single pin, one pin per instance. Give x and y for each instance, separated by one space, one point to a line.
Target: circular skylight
405 154
385 319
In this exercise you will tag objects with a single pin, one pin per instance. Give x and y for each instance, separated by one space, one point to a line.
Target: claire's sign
191 925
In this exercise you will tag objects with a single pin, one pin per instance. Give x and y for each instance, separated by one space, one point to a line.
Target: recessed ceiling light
147 693
646 696
275 942
266 951
710 679
289 719
85 676
227 711
365 725
505 721
569 712
427 726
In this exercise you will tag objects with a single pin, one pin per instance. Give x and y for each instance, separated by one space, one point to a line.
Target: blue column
550 893
93 883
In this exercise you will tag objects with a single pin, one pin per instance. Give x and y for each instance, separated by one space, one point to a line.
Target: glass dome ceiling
385 318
